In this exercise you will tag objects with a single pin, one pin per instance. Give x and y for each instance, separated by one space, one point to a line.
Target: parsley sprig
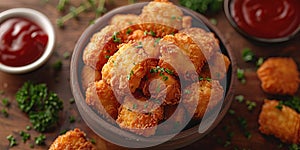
41 105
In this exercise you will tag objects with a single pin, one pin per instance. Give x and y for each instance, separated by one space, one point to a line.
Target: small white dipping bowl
42 21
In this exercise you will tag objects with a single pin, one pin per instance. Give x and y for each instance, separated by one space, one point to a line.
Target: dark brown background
59 82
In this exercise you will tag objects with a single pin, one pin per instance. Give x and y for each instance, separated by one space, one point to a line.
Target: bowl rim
79 97
42 21
227 10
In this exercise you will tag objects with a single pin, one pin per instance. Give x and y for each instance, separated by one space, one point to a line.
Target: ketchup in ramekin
267 19
21 42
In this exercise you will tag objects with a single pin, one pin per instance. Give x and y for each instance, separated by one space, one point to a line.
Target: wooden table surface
59 81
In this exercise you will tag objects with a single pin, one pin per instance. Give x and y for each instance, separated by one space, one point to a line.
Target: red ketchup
21 42
267 18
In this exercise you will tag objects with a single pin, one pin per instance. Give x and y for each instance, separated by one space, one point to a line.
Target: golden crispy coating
174 58
89 75
161 86
186 22
72 140
204 95
140 117
283 124
206 41
217 67
125 69
161 17
100 96
124 20
279 76
189 48
100 48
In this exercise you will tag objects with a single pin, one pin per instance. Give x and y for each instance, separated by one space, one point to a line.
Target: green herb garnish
259 62
25 136
239 98
66 55
41 105
250 105
72 119
115 38
241 75
12 140
280 105
5 102
247 54
203 6
40 140
57 65
4 112
294 103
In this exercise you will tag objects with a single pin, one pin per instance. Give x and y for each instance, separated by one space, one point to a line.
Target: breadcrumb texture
283 123
72 140
279 75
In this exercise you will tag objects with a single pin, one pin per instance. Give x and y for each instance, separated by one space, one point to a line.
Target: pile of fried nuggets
279 76
143 66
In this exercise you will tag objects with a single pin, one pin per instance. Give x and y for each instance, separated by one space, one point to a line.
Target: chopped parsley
169 71
165 78
202 79
41 105
12 140
250 105
140 45
66 55
107 56
57 65
4 112
128 31
187 91
40 140
231 111
28 128
213 21
247 55
239 98
259 62
115 38
93 141
280 105
25 136
156 41
134 106
241 75
294 103
5 102
71 100
72 119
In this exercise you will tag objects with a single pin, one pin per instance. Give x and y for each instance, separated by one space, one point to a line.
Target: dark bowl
121 137
227 9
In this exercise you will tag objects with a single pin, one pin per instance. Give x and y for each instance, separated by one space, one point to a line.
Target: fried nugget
139 116
173 58
100 48
124 20
279 76
280 121
89 75
160 85
125 69
74 139
186 22
217 68
206 41
161 17
202 96
188 48
100 96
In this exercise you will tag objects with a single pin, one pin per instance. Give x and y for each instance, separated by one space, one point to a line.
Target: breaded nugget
125 69
89 75
162 86
279 75
283 123
174 58
188 48
206 41
161 17
100 96
186 22
124 20
72 140
218 67
199 97
140 117
100 48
